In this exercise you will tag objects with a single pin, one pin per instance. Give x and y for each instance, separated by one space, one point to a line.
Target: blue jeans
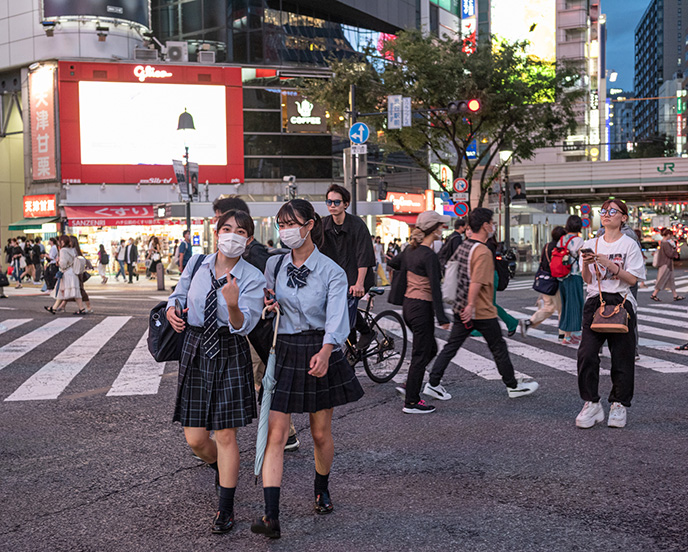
121 270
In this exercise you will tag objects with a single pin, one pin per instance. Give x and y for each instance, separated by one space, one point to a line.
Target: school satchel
165 344
4 281
609 318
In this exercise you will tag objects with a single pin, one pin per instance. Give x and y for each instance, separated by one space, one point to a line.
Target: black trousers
131 268
622 347
420 318
492 334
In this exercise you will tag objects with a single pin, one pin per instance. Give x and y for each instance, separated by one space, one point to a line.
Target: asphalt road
90 472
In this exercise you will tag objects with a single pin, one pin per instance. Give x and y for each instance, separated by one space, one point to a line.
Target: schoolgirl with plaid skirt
223 295
312 374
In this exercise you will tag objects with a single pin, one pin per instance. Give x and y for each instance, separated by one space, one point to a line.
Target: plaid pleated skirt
296 390
215 393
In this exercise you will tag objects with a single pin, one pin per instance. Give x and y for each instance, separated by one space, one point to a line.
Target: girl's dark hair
65 241
101 248
300 211
242 218
574 224
558 232
666 232
74 242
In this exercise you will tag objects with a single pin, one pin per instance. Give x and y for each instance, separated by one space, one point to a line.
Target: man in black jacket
131 257
452 242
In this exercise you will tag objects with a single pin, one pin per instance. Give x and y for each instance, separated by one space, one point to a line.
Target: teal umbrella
269 383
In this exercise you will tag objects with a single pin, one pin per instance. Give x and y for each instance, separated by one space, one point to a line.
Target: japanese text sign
40 206
42 117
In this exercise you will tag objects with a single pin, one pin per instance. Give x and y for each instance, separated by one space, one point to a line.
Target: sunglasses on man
335 202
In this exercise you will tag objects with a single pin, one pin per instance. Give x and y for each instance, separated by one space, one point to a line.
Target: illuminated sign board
42 117
118 122
467 8
299 114
40 206
407 203
131 10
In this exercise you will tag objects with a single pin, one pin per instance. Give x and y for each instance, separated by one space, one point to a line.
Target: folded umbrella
269 383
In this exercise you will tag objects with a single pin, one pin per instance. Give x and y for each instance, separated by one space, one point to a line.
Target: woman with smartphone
221 298
312 374
612 263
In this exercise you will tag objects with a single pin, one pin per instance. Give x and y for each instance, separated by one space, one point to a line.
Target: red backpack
560 263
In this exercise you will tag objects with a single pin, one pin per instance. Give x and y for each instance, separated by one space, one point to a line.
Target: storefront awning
110 215
408 219
36 222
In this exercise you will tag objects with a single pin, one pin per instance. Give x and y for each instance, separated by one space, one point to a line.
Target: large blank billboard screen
131 10
123 123
532 20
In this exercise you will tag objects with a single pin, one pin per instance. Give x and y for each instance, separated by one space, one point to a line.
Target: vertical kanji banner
42 117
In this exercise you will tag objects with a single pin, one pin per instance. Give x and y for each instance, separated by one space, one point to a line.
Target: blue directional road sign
358 133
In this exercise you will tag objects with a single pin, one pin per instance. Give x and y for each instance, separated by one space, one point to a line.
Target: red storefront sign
42 117
40 206
407 203
114 215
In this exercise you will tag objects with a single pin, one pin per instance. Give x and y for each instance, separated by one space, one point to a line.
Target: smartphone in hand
587 250
178 309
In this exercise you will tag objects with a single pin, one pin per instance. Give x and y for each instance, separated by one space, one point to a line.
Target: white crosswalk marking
22 345
140 375
54 377
8 325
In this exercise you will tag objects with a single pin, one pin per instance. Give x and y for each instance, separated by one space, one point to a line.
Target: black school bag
503 273
163 342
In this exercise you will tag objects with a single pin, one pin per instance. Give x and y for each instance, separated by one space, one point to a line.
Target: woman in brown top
418 282
665 265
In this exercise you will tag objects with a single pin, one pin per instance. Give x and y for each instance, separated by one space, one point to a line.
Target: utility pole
354 160
507 202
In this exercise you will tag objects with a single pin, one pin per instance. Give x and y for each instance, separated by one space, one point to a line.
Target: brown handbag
609 318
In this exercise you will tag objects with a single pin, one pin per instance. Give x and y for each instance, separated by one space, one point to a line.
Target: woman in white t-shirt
619 262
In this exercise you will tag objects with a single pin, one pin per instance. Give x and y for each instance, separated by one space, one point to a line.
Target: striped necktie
211 337
296 277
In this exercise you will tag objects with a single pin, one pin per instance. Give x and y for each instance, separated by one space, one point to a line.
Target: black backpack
503 272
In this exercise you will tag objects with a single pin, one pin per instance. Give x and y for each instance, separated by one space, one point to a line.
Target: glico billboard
118 122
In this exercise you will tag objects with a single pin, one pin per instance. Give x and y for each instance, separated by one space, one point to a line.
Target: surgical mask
231 245
492 232
291 237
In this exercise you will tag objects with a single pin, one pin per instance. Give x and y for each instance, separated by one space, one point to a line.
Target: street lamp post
505 158
186 123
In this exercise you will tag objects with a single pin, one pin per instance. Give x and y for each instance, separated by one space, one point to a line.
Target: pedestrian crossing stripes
661 330
527 283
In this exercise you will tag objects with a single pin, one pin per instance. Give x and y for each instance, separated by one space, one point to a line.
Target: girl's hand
177 323
230 291
604 261
320 362
445 326
270 300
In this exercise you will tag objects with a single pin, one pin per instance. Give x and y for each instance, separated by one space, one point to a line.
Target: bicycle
383 357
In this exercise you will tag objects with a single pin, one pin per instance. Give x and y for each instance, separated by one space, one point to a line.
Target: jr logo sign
667 167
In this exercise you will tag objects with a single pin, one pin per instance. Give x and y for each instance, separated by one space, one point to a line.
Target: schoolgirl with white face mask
311 371
222 300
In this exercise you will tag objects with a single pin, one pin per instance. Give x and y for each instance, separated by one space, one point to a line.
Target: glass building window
262 121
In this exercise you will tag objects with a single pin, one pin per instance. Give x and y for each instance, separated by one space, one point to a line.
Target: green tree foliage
659 145
526 103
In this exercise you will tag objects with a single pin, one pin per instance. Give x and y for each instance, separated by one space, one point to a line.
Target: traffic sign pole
354 161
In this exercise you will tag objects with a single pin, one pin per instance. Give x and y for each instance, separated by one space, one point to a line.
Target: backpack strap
198 264
278 266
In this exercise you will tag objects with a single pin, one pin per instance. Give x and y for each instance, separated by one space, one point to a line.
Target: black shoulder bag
163 342
261 336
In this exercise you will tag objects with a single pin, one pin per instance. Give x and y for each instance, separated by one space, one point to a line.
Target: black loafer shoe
268 527
323 503
223 523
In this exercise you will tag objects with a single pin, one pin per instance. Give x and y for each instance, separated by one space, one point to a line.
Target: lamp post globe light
505 158
184 124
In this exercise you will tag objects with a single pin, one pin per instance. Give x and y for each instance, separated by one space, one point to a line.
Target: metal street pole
354 159
507 202
188 184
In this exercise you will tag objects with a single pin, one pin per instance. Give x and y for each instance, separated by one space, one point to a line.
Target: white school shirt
249 279
625 253
319 305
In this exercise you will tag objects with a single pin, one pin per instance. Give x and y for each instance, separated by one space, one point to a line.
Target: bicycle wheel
383 358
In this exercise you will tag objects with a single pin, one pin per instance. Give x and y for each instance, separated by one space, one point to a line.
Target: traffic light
381 190
464 106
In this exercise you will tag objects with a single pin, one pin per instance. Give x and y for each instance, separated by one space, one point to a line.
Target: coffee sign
300 114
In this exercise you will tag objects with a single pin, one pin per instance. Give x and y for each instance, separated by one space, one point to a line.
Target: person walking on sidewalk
611 265
311 371
473 306
121 257
549 304
224 301
418 288
103 261
67 287
571 286
666 254
184 252
131 257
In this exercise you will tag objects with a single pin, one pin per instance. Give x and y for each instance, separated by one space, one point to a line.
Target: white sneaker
522 389
401 390
436 392
524 324
617 415
591 414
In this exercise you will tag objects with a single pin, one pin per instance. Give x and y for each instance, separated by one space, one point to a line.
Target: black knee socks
227 499
272 496
321 483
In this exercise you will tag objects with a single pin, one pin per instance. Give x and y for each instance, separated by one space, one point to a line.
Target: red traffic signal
464 106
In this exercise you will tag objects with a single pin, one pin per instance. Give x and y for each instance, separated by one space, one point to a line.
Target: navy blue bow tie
296 277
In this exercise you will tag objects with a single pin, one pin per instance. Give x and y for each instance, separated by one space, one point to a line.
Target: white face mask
492 231
231 245
291 237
